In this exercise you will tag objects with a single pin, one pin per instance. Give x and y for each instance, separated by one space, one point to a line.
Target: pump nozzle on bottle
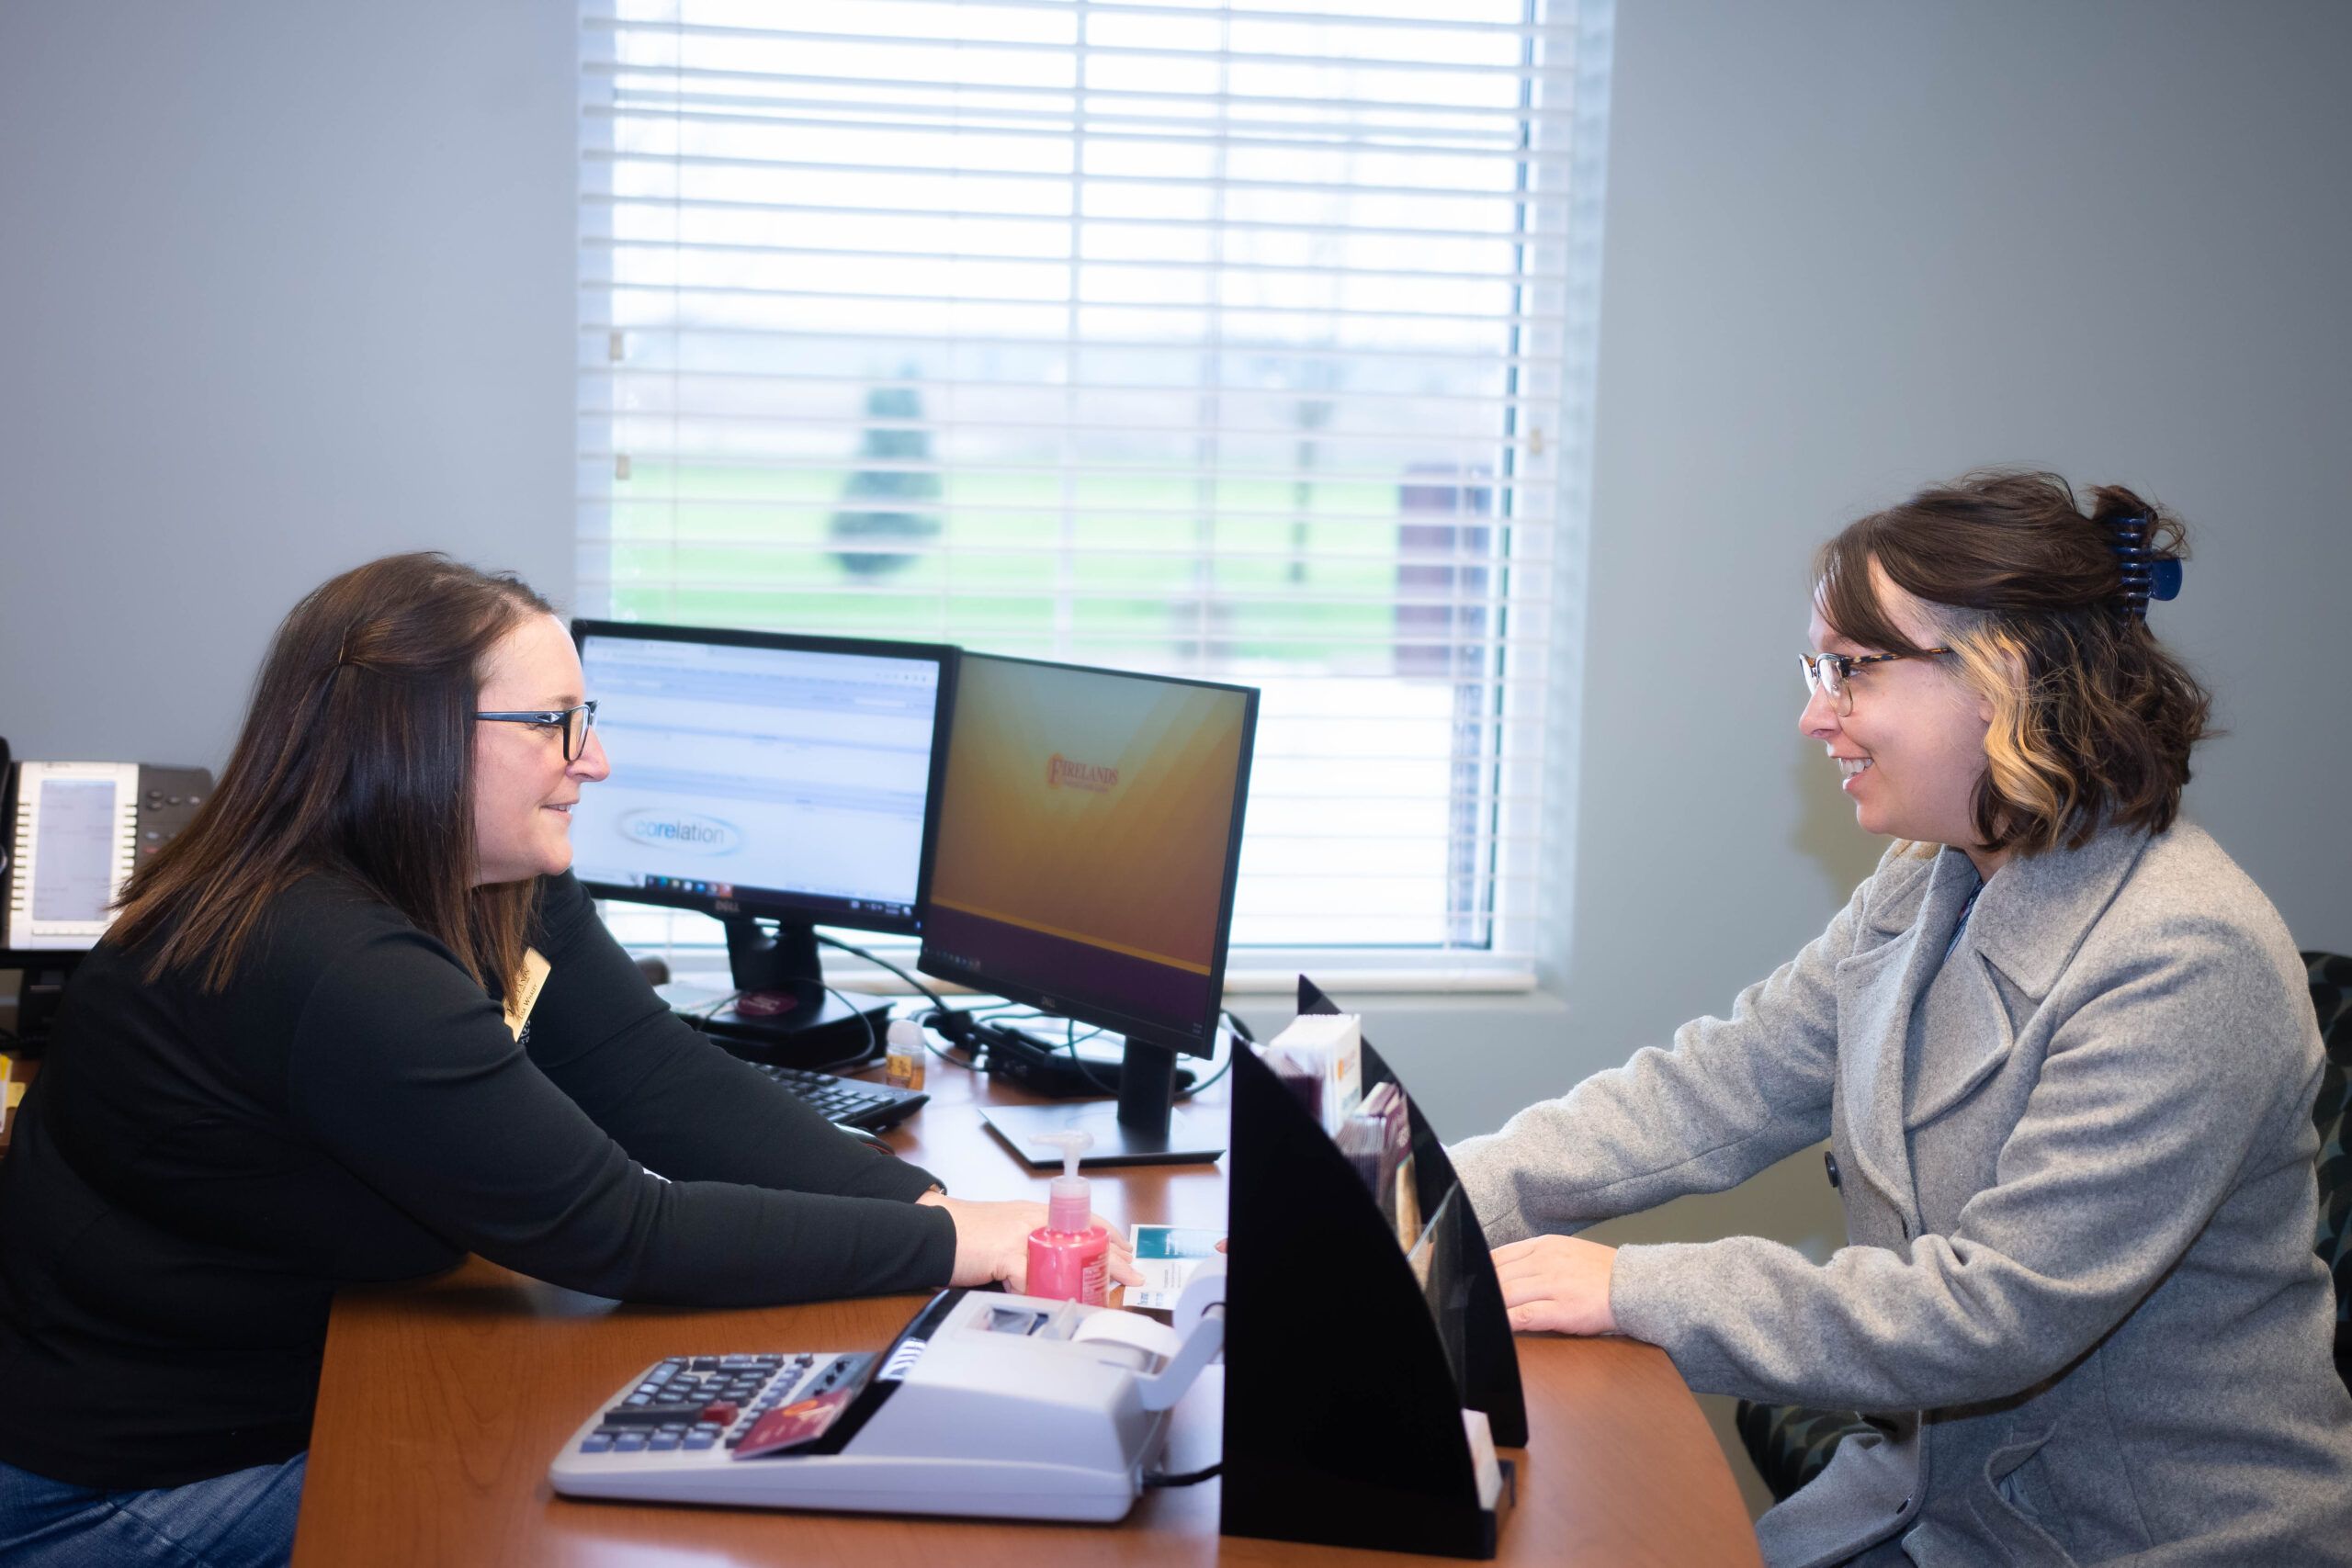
1069 1203
1066 1258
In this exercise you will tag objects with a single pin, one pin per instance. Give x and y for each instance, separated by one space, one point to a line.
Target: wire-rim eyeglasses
1832 673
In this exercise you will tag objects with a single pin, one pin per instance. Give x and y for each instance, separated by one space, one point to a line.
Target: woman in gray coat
2064 1056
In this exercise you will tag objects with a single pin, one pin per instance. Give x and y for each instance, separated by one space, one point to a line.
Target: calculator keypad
695 1403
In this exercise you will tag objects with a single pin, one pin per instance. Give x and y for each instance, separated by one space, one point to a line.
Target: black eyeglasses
1833 672
574 724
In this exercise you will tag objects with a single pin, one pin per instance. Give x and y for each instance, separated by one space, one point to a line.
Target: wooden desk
442 1405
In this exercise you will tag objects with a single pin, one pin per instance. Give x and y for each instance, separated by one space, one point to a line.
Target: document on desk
1166 1256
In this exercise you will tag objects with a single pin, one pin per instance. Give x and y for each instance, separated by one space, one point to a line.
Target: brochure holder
1356 1438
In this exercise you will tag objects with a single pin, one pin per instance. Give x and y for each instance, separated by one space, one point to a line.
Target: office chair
1791 1444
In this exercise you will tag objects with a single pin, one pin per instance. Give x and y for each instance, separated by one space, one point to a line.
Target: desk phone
71 834
993 1405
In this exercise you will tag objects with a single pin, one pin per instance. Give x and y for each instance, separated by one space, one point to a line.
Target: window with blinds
1244 340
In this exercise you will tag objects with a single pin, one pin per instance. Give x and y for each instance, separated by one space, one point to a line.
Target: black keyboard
869 1107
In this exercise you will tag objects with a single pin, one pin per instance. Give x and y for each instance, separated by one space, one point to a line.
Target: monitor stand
1143 1126
787 1014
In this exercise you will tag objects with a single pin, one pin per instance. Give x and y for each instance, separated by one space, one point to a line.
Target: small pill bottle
902 1066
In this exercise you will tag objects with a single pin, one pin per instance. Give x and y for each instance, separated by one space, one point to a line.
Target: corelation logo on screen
686 830
1063 773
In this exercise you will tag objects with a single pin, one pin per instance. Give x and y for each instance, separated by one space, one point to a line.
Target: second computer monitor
1090 832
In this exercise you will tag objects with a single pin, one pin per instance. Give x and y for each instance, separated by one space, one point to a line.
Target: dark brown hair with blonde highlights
2092 719
357 758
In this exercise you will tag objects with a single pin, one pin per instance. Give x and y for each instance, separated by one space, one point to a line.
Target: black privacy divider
1348 1433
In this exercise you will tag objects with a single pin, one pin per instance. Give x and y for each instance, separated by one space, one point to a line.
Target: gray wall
284 286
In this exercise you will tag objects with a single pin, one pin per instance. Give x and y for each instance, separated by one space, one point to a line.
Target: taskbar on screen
812 907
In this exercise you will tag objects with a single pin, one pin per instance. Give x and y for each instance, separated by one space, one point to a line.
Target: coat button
1830 1160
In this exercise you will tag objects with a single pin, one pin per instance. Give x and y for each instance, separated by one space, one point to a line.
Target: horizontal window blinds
1250 341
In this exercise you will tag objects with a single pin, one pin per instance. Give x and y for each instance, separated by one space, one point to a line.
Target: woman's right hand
1558 1284
992 1242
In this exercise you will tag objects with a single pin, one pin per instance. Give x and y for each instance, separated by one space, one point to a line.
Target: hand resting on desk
992 1242
1557 1284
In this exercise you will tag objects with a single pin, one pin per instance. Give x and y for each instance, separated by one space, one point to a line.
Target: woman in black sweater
357 1020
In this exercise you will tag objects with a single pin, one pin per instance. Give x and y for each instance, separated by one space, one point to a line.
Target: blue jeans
243 1519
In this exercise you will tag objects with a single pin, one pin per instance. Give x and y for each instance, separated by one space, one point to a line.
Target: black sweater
194 1176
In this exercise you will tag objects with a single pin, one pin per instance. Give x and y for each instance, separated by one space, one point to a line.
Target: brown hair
2092 719
357 757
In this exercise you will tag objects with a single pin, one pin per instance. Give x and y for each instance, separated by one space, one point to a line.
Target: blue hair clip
2146 575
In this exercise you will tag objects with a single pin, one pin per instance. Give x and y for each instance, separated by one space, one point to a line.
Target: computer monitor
1090 831
759 776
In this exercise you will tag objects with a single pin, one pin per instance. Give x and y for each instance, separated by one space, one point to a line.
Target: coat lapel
2037 912
1949 1074
2028 921
1876 991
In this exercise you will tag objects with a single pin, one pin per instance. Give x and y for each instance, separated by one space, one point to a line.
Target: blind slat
1119 8
1463 561
1490 357
679 110
1499 482
709 422
1299 598
1506 109
1501 319
1212 269
1527 527
665 32
1502 405
1525 197
663 206
672 115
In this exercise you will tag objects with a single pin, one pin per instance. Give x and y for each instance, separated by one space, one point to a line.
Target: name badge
524 992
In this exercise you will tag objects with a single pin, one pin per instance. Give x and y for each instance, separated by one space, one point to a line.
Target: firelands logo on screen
1063 773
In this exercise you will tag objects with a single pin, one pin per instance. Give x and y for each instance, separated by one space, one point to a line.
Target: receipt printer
985 1404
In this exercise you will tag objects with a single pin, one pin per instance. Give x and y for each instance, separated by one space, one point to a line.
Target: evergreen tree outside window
894 436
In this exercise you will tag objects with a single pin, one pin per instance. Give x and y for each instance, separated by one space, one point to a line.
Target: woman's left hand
1557 1284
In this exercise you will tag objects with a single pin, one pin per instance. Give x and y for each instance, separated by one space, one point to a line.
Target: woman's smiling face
1913 749
524 790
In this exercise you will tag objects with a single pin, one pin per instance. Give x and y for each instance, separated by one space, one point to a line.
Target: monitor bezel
1086 1010
781 904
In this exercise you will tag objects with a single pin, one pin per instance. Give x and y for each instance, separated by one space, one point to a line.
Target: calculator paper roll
1133 1330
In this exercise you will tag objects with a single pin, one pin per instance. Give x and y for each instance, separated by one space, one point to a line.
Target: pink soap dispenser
1068 1254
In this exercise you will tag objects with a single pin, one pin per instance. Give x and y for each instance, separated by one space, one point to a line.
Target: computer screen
763 775
1088 835
77 845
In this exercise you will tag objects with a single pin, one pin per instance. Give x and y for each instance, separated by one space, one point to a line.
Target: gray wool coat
2079 1298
